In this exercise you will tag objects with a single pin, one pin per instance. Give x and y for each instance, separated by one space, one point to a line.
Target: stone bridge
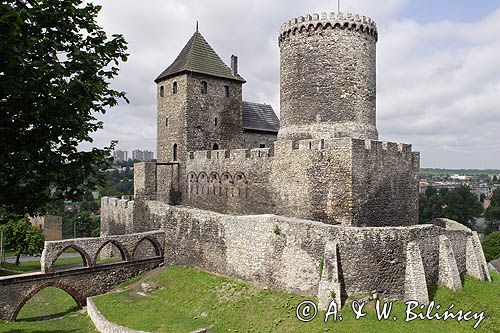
90 248
81 283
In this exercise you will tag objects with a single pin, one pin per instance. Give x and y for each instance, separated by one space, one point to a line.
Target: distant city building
142 155
138 155
120 155
49 225
148 155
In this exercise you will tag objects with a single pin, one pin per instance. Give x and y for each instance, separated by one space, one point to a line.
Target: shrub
491 246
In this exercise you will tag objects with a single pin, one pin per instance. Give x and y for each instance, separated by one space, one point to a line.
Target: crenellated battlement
223 154
323 21
357 144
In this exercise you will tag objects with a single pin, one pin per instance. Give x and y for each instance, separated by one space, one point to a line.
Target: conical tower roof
199 57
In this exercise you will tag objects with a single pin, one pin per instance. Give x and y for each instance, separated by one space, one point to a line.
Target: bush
491 246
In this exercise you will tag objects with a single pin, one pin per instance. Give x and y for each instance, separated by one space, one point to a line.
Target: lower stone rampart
286 253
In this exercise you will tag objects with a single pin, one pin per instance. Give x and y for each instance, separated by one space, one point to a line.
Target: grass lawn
188 299
51 310
33 266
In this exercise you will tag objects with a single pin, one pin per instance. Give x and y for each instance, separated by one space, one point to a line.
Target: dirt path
136 289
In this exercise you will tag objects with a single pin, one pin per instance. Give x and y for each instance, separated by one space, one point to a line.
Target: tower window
204 87
175 152
174 87
262 145
215 121
226 91
162 91
166 122
215 147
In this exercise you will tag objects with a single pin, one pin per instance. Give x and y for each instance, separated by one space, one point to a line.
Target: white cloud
438 83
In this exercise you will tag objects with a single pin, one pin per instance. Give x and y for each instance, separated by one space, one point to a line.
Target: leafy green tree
462 205
491 246
431 205
56 65
23 238
492 213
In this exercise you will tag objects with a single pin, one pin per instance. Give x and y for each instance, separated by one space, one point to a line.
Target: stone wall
89 248
231 181
285 253
328 77
385 183
344 181
15 291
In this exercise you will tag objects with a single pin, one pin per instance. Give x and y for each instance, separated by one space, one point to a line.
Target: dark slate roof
260 117
496 265
199 57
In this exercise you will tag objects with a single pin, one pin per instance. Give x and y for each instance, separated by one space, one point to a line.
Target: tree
56 65
492 213
23 238
495 178
431 205
491 246
462 205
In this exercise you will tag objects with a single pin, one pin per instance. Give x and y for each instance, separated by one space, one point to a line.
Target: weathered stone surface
89 248
328 85
415 282
15 291
329 286
285 253
476 262
448 270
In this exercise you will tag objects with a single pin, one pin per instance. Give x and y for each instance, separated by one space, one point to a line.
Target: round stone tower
328 77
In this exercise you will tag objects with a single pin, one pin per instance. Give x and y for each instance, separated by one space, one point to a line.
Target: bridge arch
87 260
79 299
156 245
123 251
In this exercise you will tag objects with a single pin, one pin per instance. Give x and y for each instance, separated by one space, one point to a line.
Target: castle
312 204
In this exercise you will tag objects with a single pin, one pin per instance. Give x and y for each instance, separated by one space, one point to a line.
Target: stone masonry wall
385 183
286 253
231 181
328 77
339 181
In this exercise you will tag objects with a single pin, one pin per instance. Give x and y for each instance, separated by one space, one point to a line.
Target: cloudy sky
438 66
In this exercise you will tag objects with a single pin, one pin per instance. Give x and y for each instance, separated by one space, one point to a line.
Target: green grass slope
186 299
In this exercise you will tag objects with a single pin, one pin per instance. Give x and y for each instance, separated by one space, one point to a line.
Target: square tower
199 102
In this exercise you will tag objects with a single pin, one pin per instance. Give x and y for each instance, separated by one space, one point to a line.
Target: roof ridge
198 56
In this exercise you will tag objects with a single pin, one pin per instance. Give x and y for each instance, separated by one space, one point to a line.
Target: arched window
226 91
204 87
174 87
175 152
215 147
162 91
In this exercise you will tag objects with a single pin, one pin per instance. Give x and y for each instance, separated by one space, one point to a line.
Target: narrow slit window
204 87
166 122
162 91
216 121
226 91
175 152
174 87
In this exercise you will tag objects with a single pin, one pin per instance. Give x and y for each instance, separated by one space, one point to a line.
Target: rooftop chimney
234 65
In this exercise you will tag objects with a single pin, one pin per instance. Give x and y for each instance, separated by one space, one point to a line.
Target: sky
438 67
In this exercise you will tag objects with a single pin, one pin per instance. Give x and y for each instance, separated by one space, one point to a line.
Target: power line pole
1 247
